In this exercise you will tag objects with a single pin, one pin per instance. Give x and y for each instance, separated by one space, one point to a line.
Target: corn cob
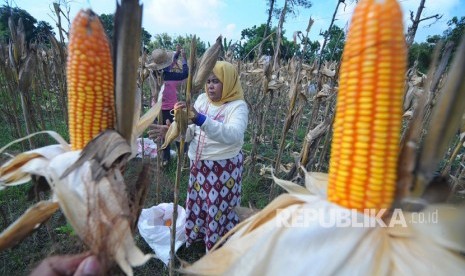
362 173
177 127
206 64
171 135
90 80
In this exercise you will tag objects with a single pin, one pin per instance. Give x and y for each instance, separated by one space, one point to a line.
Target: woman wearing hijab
215 152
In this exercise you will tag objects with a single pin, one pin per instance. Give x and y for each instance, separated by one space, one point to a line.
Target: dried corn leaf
245 212
17 170
147 119
91 192
329 69
173 132
127 37
178 127
28 222
317 183
206 64
446 120
258 71
105 151
98 211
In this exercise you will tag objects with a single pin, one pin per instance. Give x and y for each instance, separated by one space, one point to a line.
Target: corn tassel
362 173
90 80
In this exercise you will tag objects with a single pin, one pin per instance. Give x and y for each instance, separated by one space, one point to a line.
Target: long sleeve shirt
221 135
172 80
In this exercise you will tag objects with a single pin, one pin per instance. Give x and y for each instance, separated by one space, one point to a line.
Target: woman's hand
157 131
77 265
192 112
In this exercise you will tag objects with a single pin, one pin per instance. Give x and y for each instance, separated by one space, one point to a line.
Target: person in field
166 62
216 137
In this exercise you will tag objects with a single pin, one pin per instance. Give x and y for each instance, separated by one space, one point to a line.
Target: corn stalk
10 97
126 52
458 146
23 62
179 163
326 36
294 93
277 53
294 90
445 120
57 63
258 127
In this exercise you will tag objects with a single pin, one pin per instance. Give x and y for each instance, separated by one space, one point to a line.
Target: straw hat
160 59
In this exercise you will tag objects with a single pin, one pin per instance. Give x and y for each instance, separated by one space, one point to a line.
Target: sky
208 19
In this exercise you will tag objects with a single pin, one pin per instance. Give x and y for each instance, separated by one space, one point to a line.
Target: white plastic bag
150 148
152 228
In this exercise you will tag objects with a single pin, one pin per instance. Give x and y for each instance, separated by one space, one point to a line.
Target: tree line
255 40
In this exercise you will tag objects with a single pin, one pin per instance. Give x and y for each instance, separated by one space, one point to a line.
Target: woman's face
214 88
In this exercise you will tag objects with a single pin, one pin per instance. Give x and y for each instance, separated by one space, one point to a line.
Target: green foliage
335 45
165 41
311 51
227 44
108 22
185 42
16 13
66 229
255 190
146 36
293 7
253 36
421 54
6 135
17 193
34 33
456 30
42 31
288 49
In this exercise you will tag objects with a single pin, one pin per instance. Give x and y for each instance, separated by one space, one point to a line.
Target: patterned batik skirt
213 193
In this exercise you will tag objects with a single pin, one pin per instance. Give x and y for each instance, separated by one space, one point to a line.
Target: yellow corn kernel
370 88
90 80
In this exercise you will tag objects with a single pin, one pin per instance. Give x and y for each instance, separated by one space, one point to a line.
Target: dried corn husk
90 190
329 69
88 185
29 221
418 249
178 127
16 170
173 132
325 91
80 182
206 64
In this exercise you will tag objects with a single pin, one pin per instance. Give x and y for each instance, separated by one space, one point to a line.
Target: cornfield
292 109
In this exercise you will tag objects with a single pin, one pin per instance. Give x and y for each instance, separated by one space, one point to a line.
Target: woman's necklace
201 143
